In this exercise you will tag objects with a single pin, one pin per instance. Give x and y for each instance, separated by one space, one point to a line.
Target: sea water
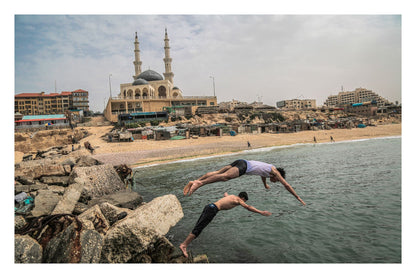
352 190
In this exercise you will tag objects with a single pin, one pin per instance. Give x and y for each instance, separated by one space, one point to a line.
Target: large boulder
98 180
45 202
129 238
69 199
87 161
113 213
95 219
124 199
35 169
74 245
57 180
27 250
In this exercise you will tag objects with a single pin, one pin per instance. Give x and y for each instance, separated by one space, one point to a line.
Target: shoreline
199 157
146 153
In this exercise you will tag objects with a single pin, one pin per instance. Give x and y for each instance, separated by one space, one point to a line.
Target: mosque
152 92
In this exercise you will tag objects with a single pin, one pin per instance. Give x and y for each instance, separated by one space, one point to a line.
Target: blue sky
252 57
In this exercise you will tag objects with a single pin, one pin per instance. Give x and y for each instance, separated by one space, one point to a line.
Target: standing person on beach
209 212
239 168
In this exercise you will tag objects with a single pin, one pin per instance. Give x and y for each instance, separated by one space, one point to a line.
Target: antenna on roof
55 86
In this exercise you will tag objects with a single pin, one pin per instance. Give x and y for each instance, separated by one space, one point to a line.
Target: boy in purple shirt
239 168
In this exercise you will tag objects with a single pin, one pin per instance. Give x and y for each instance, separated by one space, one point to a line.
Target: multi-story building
151 92
54 103
80 100
296 104
359 95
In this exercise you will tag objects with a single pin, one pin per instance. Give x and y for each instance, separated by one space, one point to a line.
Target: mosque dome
150 75
140 81
175 88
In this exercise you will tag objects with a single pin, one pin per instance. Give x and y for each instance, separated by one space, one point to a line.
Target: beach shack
36 122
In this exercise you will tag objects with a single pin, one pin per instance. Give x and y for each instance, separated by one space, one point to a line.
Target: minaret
168 61
137 63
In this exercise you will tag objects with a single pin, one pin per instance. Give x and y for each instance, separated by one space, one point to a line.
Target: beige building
359 95
150 91
296 104
54 103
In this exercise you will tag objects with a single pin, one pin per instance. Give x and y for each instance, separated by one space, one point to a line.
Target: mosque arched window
162 92
137 93
129 94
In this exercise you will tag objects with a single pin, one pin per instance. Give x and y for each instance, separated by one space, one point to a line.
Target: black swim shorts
241 165
206 216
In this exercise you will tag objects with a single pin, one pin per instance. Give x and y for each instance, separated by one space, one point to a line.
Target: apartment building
296 104
359 95
54 103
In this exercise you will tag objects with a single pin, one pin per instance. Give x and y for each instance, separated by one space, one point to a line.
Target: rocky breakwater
77 210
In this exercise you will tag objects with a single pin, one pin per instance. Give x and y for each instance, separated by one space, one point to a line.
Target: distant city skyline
252 57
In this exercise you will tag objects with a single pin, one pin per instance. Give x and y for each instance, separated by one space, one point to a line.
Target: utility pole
109 81
213 83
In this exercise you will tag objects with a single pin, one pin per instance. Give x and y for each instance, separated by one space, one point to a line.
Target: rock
87 161
143 259
67 169
27 250
24 180
80 208
69 199
161 251
130 237
18 188
56 180
124 199
57 189
113 213
201 259
74 245
91 245
98 180
45 202
19 222
35 169
97 218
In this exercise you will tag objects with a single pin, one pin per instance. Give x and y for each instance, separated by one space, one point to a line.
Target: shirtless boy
239 168
226 203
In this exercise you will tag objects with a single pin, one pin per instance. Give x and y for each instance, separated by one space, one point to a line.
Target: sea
352 190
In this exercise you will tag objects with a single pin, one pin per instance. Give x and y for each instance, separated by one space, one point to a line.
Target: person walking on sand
209 212
314 139
239 168
332 139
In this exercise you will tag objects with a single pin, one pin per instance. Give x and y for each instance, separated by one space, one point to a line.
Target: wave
266 149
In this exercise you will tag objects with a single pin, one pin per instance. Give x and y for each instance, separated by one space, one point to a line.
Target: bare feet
195 185
183 248
187 187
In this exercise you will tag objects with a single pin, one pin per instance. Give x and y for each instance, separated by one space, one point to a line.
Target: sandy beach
142 152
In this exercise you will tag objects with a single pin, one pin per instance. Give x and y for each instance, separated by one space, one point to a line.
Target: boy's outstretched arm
253 209
287 186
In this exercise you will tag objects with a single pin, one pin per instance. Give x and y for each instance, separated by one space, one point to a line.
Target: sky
265 58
